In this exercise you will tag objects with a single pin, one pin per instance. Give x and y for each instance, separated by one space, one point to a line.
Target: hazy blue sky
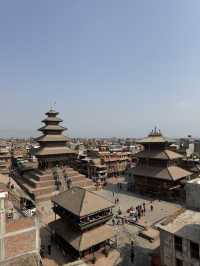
114 67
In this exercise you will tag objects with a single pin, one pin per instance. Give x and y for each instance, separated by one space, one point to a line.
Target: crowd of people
139 211
134 212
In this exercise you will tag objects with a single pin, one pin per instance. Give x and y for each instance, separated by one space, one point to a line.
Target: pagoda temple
53 150
157 171
53 173
80 228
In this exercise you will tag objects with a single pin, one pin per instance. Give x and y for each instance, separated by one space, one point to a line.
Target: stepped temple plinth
53 174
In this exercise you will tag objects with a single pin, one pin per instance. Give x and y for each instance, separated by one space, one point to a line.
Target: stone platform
42 185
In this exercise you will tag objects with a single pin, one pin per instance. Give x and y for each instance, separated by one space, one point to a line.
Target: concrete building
4 158
192 165
197 146
192 189
180 233
180 240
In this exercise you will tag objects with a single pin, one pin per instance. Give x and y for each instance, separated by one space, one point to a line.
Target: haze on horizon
114 68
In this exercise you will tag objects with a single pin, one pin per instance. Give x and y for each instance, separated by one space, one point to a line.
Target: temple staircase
42 185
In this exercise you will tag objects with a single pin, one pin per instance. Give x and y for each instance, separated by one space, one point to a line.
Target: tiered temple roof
170 173
53 173
159 154
157 171
85 240
78 207
157 160
81 202
52 142
155 136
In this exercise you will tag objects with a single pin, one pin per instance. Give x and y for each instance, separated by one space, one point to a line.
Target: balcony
86 222
98 219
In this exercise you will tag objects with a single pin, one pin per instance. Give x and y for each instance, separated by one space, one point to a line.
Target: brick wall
20 243
19 224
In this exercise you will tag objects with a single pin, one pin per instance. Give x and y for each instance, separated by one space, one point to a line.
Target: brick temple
157 171
52 174
80 227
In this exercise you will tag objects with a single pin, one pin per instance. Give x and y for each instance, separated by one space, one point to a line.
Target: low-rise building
180 233
115 162
4 158
197 146
192 189
19 236
179 240
192 165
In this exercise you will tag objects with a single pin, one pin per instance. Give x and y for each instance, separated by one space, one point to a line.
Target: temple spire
155 132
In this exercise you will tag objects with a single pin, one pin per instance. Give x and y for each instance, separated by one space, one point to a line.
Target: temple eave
171 173
82 241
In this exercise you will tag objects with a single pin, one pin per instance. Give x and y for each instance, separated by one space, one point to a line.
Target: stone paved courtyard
127 232
161 209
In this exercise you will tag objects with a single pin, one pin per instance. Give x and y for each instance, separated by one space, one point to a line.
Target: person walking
144 207
119 211
113 222
49 249
139 214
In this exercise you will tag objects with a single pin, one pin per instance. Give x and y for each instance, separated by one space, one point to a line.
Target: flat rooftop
185 225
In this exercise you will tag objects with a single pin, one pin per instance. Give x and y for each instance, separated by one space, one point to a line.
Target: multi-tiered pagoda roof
157 160
53 173
81 202
52 142
82 225
157 170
